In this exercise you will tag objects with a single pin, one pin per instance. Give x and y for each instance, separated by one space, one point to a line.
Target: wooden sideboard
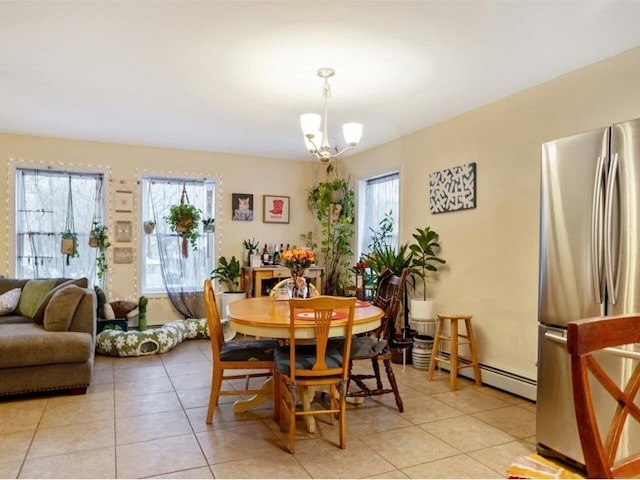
252 278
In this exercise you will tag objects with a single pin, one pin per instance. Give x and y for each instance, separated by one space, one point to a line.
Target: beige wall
492 250
125 164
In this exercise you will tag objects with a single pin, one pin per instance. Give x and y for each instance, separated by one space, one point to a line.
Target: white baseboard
507 381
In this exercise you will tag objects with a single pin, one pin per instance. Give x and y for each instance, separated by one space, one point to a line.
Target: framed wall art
242 206
453 189
123 201
122 255
275 209
123 231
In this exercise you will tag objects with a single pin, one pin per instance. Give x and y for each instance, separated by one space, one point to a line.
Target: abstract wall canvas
453 189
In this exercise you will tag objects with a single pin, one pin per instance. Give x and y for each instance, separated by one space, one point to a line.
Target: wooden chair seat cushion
361 347
305 358
248 350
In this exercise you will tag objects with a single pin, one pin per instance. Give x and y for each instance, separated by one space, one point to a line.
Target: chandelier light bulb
310 123
352 133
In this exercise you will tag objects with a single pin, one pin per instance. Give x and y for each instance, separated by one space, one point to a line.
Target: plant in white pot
423 261
228 274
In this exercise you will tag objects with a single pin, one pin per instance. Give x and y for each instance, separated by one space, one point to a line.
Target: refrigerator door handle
608 230
596 230
555 338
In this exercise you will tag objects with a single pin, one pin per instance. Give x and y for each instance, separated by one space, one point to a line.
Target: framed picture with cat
242 206
275 209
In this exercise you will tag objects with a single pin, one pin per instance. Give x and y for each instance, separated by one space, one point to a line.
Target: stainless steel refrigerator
589 265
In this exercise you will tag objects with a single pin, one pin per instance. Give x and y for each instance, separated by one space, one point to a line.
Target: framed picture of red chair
275 209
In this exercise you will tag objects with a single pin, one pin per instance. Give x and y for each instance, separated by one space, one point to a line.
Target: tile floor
145 417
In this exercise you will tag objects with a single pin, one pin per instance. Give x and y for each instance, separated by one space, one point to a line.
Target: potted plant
424 260
336 230
183 219
98 239
250 247
228 274
69 244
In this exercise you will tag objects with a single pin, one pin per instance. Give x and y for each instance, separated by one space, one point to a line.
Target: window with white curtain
379 196
46 202
157 195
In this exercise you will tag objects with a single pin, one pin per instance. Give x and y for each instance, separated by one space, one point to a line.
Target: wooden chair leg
435 349
376 371
394 384
474 353
453 377
216 386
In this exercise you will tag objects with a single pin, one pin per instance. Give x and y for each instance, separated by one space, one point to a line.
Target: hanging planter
69 244
69 238
184 219
98 239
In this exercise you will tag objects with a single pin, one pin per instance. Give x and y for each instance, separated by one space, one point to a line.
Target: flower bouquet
298 260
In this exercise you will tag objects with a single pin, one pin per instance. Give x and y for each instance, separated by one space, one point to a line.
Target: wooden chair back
213 319
603 458
322 308
389 296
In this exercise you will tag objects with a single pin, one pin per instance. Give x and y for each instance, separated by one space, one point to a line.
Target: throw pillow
61 307
108 312
9 301
32 294
38 316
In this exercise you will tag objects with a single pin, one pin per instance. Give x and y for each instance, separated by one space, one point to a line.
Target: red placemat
310 315
362 303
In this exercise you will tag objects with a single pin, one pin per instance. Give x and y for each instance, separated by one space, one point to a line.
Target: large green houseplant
183 219
228 274
424 261
333 204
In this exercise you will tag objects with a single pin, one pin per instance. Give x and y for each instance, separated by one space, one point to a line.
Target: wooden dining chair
301 364
377 347
234 355
605 458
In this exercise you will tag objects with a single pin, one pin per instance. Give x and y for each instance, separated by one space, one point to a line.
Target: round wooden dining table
267 317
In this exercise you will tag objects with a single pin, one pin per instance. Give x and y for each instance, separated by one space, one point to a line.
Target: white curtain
182 278
41 215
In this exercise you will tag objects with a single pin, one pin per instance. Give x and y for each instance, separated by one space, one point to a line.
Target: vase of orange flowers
298 260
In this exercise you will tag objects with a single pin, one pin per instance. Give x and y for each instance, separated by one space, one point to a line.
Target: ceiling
234 76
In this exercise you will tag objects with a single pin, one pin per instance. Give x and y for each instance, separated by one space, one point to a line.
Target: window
380 196
42 213
162 266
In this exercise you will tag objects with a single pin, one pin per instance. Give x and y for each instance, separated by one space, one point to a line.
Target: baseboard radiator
497 378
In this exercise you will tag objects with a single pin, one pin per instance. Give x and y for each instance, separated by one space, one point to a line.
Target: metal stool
454 342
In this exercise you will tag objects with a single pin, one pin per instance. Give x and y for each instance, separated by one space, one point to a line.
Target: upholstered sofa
47 341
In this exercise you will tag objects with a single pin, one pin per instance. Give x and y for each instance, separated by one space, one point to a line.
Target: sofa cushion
61 308
32 294
27 344
13 318
9 301
38 316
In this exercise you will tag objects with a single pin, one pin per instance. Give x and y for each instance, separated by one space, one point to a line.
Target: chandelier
318 141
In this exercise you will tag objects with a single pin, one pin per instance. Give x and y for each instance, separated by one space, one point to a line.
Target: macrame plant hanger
69 245
95 218
184 200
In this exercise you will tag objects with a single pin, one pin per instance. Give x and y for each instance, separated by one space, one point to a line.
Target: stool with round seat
454 341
